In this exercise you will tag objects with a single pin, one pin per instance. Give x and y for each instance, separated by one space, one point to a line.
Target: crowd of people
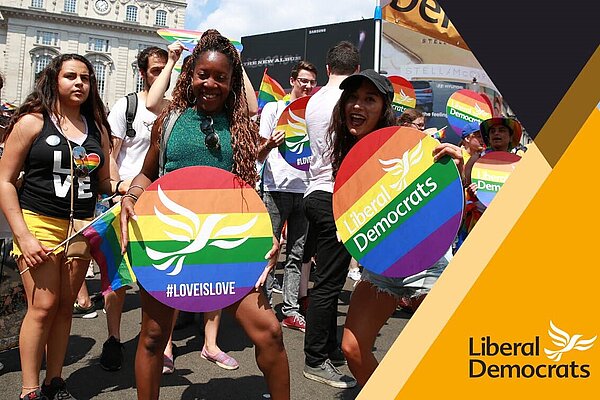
47 192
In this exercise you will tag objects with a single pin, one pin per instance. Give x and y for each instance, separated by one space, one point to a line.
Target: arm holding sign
155 100
454 152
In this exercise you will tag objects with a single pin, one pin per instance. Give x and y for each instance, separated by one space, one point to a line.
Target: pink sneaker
222 359
168 365
294 322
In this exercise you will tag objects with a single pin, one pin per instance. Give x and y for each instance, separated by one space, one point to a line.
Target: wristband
134 197
117 187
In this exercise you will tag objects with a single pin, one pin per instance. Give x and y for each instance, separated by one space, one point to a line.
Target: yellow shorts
51 232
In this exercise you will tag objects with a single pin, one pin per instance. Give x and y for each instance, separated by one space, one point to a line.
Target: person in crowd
59 138
210 88
212 319
471 141
412 118
321 348
130 144
283 190
365 106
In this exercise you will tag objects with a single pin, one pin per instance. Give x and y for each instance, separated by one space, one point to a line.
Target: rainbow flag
270 90
440 134
104 235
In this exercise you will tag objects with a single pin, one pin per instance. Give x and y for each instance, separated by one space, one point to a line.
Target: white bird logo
566 343
480 111
297 129
403 97
402 166
194 230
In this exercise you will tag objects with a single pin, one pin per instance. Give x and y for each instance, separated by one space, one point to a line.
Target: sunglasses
82 168
211 139
306 81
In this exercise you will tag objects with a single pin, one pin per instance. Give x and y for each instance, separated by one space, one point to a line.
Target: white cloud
235 18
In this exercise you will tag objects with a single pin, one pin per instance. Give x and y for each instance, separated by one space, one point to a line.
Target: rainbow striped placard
404 94
490 172
466 106
295 149
189 38
397 211
200 239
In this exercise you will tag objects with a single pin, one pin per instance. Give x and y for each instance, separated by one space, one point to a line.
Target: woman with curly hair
59 138
212 128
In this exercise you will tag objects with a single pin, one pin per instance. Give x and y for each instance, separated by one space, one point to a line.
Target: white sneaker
90 270
354 274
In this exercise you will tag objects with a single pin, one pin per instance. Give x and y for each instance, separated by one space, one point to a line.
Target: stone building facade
110 33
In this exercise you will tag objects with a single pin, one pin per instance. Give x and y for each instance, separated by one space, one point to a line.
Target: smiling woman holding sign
206 124
364 106
59 137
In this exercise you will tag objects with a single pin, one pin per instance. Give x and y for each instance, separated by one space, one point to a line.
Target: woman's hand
175 50
472 190
34 253
272 256
448 149
127 212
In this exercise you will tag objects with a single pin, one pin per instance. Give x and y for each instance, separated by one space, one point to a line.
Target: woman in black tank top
63 113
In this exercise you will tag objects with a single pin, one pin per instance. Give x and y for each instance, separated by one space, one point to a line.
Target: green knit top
186 148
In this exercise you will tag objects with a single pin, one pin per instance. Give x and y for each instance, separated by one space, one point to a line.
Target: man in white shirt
321 348
284 188
127 156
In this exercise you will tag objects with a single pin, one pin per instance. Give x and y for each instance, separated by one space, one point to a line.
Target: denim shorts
418 283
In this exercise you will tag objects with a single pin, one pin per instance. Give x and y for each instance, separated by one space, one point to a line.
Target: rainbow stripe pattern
295 149
466 106
200 239
404 94
397 211
104 235
490 172
270 90
189 38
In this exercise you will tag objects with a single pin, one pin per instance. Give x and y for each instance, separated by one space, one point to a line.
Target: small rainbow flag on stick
104 235
270 90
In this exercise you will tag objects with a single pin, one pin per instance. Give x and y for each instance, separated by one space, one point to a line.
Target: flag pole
378 33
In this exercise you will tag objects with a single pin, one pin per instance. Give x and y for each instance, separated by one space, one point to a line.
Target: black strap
130 114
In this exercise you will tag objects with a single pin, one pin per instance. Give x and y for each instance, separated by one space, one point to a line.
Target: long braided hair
244 133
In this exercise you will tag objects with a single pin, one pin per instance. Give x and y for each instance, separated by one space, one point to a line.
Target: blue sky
237 18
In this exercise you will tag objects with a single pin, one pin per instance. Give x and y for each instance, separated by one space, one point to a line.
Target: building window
70 6
47 38
37 3
161 18
139 83
41 62
131 14
100 70
98 44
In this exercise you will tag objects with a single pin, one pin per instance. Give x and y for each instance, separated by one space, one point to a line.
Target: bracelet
117 187
134 197
136 186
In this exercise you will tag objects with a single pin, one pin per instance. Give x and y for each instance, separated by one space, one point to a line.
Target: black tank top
46 187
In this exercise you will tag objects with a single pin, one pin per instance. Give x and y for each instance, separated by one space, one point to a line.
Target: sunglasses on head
81 162
211 139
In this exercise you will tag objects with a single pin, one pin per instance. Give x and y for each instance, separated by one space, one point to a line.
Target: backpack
132 102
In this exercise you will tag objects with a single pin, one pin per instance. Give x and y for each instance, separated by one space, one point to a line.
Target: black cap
381 82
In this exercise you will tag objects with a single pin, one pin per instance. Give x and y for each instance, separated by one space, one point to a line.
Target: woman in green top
212 128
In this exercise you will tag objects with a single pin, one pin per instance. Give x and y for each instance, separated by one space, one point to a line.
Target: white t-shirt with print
133 150
278 175
318 116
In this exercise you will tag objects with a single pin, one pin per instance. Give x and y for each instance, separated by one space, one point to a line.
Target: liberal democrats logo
492 358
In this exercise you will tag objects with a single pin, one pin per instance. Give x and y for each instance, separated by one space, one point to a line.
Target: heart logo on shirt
90 162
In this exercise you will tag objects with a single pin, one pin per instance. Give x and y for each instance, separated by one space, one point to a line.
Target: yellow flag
424 16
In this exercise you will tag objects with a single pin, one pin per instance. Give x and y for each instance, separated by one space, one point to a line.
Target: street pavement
194 378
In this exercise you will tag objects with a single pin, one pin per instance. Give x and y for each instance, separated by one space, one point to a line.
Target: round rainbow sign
404 94
396 210
490 172
466 106
189 38
295 149
200 239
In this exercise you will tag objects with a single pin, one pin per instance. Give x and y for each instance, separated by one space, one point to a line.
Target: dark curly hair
244 133
44 98
339 138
